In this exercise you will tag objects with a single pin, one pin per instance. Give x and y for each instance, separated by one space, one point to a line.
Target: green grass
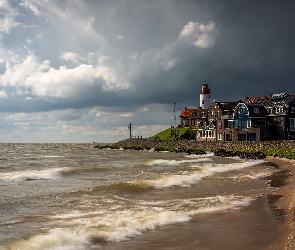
171 133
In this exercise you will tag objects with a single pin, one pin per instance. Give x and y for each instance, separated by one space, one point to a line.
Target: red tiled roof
255 99
187 112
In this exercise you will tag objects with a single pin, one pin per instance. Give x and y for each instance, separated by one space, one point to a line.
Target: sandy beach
287 203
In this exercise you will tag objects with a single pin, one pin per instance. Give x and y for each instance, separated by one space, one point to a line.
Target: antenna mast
174 113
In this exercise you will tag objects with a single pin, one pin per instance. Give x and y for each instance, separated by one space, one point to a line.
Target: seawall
255 150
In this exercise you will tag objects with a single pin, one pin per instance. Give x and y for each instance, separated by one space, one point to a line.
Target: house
280 113
219 117
254 119
191 117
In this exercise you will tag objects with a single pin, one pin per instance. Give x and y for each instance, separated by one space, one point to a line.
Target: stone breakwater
253 150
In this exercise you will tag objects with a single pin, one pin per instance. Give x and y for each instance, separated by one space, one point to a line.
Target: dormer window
242 110
279 109
256 110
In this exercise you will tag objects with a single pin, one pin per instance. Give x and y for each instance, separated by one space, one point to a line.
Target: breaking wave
29 175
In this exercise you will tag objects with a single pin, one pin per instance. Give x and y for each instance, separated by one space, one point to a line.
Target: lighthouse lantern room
205 96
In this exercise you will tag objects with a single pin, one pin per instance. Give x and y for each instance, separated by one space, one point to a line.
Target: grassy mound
175 134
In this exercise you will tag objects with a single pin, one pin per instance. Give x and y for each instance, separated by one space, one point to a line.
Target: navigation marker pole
129 128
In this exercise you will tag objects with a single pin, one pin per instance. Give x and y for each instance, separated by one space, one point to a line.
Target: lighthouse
205 96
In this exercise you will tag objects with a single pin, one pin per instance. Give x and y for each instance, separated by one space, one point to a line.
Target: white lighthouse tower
205 96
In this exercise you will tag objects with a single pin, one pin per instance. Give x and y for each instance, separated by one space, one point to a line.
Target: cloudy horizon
81 70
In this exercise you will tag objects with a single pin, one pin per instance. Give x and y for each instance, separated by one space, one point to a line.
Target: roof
227 105
281 99
187 112
256 100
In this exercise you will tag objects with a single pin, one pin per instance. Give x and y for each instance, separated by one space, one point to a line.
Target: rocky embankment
253 150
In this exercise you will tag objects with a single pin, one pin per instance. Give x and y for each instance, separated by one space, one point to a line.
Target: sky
77 71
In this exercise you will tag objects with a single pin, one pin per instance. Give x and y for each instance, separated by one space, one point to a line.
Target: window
220 137
256 110
242 110
292 124
269 110
242 124
279 109
228 137
203 101
280 123
248 123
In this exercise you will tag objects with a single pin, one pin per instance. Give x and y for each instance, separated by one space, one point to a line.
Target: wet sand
268 223
287 204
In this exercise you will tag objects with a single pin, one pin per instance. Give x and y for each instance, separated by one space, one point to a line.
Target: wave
29 175
81 231
203 171
163 162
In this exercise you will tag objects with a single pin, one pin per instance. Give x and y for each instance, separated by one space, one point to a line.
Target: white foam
186 180
163 162
46 174
55 239
52 156
258 175
173 180
78 230
207 155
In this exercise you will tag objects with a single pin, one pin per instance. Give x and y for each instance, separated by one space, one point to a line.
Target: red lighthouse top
205 88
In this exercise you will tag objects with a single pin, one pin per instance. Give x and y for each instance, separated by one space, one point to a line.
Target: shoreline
283 198
249 149
286 239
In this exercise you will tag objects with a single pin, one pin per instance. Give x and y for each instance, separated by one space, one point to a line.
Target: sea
78 197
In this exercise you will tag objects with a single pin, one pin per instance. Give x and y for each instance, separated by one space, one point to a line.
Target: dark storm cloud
106 58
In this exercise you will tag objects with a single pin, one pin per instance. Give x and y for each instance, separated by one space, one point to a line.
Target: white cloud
125 115
31 6
119 37
70 56
3 94
200 35
169 63
46 81
7 21
134 56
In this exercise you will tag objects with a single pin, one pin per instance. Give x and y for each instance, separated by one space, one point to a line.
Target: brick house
219 117
280 113
191 117
254 119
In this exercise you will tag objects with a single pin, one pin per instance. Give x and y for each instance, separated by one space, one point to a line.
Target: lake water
74 196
